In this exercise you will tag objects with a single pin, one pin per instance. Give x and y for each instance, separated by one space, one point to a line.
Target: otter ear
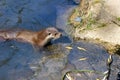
47 31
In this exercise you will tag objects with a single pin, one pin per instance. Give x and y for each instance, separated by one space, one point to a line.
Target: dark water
20 61
32 14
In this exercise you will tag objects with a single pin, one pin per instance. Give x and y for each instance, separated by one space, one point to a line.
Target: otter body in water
39 38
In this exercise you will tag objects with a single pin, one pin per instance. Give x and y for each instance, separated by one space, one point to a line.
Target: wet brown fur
35 38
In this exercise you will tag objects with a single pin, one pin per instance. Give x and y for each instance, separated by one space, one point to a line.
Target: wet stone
115 68
52 62
93 58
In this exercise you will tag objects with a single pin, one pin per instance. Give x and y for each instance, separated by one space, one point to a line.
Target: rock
113 7
109 34
103 23
95 59
115 68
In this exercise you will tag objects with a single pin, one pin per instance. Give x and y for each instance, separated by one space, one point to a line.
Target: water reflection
19 61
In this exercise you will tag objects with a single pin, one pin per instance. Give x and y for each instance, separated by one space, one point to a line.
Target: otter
37 38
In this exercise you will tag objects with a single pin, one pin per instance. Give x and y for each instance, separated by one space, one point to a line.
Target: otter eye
49 33
55 34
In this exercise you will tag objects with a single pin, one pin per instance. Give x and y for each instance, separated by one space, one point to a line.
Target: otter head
47 35
53 33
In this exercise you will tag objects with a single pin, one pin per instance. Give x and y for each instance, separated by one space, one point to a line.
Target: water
20 61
